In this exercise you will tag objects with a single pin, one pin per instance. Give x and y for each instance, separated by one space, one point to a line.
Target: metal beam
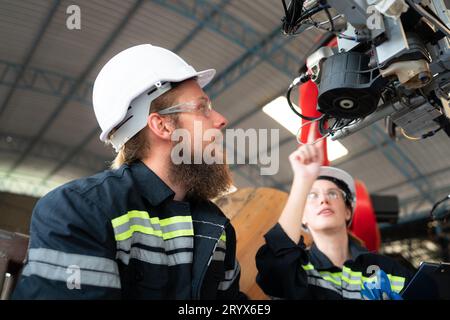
92 64
211 14
44 82
31 51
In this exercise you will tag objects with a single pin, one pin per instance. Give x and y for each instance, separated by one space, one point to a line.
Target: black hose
330 19
288 97
322 130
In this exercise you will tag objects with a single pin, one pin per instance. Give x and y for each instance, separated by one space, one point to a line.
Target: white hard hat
340 175
126 85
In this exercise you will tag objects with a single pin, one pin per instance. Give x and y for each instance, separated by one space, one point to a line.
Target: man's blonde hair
137 147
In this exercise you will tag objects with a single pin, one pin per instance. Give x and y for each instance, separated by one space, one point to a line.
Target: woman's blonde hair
137 147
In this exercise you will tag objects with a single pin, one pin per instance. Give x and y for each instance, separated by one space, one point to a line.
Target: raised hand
307 159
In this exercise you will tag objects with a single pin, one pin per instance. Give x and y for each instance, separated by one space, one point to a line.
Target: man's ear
161 126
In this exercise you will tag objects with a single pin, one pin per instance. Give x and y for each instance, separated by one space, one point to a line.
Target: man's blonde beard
205 181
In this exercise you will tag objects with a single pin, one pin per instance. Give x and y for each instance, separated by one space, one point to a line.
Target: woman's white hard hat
340 175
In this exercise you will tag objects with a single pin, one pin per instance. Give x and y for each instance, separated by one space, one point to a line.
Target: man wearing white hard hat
321 201
145 229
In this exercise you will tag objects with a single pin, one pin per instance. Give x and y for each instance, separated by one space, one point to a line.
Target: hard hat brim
205 76
341 175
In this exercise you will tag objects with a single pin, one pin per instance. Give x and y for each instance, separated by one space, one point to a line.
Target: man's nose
219 121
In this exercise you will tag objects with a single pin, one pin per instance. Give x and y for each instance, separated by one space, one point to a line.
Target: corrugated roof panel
19 23
374 169
255 89
75 123
428 154
152 24
70 51
210 50
27 112
261 15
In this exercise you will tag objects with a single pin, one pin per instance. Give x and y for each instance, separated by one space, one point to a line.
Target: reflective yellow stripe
144 215
341 276
177 233
155 221
326 275
351 281
308 266
334 274
146 230
330 279
132 214
397 287
351 272
396 279
223 237
171 220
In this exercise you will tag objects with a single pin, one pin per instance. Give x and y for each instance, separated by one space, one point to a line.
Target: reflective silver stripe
65 259
230 276
155 257
314 275
352 295
335 278
146 223
218 256
222 244
58 273
156 242
349 276
323 283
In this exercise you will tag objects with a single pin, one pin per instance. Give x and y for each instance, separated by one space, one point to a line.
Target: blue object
381 290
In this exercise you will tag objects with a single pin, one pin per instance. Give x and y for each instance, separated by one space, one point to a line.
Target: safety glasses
332 194
203 107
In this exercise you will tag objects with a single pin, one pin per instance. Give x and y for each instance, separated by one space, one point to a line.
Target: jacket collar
321 261
150 185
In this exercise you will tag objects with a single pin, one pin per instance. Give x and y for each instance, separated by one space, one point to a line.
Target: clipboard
431 282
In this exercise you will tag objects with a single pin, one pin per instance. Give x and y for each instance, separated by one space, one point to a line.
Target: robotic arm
392 61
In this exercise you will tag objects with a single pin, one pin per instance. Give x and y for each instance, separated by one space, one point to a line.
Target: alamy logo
375 19
74 279
208 147
73 21
372 270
